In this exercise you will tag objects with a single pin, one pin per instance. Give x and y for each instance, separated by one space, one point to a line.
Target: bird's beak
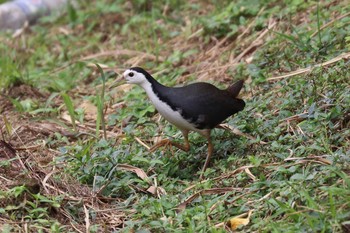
117 82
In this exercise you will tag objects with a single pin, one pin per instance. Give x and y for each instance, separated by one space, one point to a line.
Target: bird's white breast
166 111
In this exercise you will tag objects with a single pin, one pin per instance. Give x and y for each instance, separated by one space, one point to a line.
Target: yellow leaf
238 221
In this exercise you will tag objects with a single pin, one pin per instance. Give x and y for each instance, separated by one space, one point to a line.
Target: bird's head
136 75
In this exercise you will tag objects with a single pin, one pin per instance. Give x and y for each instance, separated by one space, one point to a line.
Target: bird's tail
234 89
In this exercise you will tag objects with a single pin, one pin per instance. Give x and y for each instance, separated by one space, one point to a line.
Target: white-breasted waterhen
198 107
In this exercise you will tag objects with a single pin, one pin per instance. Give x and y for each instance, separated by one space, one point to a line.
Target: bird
198 107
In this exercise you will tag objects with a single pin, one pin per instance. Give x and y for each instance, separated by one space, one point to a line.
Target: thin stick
305 70
330 23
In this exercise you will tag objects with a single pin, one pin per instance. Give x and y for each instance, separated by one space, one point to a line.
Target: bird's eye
131 74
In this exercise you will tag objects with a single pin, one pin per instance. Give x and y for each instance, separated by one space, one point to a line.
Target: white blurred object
15 14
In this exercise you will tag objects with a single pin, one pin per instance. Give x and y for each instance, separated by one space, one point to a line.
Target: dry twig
343 56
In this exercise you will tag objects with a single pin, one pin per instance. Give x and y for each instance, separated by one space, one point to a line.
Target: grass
74 154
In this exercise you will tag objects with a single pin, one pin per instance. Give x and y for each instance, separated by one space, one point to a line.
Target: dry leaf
250 174
138 171
156 191
249 60
90 110
65 116
238 221
152 190
87 219
325 161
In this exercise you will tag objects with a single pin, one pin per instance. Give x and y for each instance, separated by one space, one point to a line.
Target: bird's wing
203 104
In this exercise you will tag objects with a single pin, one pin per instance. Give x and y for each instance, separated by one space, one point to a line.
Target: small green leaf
297 176
70 107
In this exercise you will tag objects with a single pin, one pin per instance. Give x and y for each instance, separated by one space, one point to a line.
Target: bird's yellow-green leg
168 142
210 152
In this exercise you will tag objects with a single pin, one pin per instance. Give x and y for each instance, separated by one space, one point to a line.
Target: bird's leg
167 142
210 152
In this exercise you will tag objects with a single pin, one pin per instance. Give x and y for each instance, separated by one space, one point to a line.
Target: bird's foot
169 143
164 142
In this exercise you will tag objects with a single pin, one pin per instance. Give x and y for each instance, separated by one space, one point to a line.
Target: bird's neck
151 84
153 88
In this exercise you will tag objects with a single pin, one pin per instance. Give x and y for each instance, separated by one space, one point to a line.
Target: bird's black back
202 104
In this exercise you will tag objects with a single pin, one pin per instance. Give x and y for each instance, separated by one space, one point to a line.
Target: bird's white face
134 77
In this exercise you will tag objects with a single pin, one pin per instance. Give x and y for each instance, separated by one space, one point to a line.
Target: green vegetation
73 153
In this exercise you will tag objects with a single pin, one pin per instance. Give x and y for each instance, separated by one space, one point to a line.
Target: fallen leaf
325 161
138 171
90 110
65 116
238 221
250 174
152 190
156 191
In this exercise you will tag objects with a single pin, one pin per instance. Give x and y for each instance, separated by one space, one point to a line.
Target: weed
287 158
